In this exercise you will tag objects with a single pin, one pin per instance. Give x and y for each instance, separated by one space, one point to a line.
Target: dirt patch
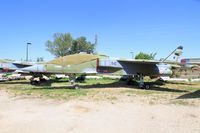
22 115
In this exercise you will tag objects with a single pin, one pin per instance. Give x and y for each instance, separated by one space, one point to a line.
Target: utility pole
132 55
96 39
27 44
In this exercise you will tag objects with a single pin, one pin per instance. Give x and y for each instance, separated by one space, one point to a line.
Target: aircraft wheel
129 81
43 80
34 82
141 85
76 86
147 87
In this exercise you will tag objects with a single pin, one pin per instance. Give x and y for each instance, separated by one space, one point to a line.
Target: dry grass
109 90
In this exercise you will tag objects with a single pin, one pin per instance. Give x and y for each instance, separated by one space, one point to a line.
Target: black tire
34 82
76 86
129 81
147 87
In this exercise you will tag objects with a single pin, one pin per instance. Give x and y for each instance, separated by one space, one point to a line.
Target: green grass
103 89
56 91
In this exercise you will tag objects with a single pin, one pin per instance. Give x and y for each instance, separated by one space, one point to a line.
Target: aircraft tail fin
177 52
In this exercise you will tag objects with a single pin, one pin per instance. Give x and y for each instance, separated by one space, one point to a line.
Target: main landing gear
142 84
139 78
37 79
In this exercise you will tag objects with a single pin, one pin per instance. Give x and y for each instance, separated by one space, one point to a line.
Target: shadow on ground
191 95
15 82
155 86
181 83
167 89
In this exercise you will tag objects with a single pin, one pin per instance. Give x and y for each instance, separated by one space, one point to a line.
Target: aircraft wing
21 64
133 67
139 61
173 64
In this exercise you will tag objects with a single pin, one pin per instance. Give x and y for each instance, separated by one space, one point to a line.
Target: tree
40 59
82 45
145 56
61 44
64 44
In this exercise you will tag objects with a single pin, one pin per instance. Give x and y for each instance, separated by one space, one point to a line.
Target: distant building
191 67
190 61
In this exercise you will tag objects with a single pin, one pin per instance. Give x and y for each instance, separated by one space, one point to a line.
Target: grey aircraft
8 66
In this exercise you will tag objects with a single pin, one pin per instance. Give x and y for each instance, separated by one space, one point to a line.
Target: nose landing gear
72 78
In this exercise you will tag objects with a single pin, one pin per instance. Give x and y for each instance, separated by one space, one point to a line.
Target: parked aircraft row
93 64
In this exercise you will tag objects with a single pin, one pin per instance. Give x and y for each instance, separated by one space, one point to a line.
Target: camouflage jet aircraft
96 64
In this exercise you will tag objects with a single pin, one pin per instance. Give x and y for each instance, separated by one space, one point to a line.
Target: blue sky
123 26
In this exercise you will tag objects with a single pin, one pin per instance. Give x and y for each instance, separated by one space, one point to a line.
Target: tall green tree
145 56
61 44
82 45
64 44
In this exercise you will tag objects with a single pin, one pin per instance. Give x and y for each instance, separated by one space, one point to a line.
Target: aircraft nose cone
34 68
